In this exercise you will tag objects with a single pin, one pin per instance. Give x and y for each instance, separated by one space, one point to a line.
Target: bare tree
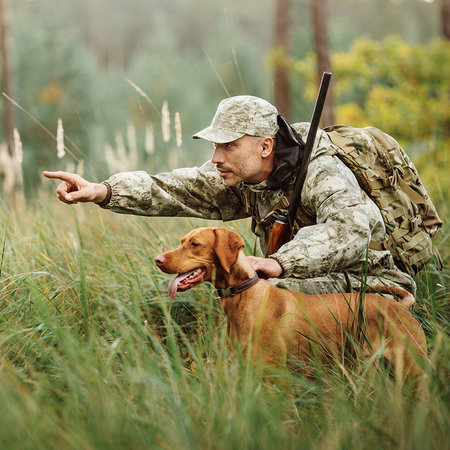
318 10
282 41
8 117
445 17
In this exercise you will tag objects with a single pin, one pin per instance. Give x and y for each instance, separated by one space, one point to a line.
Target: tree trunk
318 10
8 116
445 17
282 43
13 182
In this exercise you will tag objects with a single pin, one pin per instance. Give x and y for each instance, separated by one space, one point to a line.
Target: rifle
283 227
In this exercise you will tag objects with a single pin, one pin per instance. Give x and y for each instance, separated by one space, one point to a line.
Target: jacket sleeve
190 192
346 220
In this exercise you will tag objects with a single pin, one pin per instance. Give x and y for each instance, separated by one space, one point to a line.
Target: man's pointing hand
74 189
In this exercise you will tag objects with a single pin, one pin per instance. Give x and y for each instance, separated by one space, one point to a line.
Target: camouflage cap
238 116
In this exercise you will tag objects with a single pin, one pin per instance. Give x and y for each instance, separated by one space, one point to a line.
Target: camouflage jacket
336 219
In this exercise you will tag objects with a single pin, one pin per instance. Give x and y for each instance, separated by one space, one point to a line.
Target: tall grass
94 354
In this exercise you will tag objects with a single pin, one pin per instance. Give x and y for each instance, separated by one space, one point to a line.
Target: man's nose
217 157
160 260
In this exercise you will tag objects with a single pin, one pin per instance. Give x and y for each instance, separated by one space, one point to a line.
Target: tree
445 15
318 10
403 90
8 116
282 35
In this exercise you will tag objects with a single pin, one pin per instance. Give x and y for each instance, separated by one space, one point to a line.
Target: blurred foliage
62 90
402 89
74 64
71 60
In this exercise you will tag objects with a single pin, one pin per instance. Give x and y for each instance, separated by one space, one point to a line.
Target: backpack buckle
415 222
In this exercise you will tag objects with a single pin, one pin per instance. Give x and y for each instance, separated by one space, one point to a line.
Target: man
251 173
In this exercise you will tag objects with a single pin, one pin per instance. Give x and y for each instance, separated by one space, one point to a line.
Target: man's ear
227 247
268 145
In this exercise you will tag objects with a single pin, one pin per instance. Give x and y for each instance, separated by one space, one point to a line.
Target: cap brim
218 135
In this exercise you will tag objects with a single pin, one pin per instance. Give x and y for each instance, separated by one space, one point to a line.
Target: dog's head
202 253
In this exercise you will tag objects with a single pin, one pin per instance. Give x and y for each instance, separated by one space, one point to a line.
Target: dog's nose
159 260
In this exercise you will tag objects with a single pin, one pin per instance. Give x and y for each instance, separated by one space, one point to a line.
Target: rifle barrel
296 196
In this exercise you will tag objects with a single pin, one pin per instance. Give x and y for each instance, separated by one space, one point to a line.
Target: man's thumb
76 196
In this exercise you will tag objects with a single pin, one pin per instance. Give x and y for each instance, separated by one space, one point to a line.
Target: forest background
84 62
93 353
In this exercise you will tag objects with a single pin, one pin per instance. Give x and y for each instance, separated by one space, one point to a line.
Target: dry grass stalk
7 168
17 160
173 160
149 139
143 94
178 131
120 146
131 137
71 167
119 159
80 167
60 139
111 159
74 240
165 122
18 152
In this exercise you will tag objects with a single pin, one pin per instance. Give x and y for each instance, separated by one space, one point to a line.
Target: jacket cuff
281 263
106 200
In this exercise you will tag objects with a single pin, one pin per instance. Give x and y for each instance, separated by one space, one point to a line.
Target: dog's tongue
173 284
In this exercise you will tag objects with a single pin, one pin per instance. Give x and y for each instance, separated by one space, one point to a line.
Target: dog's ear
227 247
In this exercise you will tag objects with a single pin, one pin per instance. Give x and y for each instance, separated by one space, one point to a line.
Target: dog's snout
159 260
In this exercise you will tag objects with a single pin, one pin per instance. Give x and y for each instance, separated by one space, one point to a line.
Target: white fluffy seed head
178 131
8 170
132 146
60 139
121 150
18 153
149 139
165 122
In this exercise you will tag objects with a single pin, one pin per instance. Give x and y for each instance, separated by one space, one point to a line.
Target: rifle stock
283 227
279 235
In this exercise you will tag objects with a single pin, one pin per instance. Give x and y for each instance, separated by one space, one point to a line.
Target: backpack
385 172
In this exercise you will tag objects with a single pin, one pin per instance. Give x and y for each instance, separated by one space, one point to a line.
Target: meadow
95 355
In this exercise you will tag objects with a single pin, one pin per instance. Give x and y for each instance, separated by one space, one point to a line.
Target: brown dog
282 326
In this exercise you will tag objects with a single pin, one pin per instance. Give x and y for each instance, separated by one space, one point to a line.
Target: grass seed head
7 168
178 131
18 153
149 139
132 146
60 139
165 122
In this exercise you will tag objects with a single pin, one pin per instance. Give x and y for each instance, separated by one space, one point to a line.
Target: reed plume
165 122
7 169
149 139
60 139
178 131
17 159
132 147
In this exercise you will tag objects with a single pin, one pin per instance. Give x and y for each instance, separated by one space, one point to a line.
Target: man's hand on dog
266 266
74 189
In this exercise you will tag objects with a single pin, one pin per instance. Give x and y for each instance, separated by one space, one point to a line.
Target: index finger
60 175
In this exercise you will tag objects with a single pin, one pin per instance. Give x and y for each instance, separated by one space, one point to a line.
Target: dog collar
237 288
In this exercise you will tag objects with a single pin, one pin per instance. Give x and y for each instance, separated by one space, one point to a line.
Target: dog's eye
194 244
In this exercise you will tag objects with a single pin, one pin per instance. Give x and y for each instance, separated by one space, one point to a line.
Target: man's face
241 160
